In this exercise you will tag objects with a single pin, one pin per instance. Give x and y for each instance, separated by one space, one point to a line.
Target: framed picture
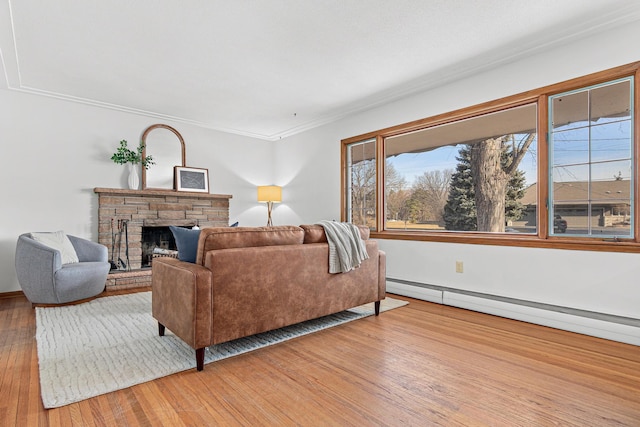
191 179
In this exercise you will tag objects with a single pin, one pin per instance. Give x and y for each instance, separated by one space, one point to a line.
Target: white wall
308 164
54 153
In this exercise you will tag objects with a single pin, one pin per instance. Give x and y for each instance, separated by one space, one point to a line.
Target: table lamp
269 194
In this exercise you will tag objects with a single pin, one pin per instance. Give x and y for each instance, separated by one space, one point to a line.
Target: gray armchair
45 280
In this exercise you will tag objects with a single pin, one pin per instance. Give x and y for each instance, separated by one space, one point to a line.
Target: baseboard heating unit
616 328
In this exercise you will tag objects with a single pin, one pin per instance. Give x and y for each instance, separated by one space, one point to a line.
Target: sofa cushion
314 233
186 242
241 237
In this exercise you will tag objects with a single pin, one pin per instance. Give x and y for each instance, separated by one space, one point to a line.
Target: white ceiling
272 68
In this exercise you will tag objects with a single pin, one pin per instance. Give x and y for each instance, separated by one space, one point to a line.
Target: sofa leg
377 307
200 359
160 329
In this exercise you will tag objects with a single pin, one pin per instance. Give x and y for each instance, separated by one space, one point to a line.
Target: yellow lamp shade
270 193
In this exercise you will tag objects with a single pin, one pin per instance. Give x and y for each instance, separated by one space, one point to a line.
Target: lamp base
269 208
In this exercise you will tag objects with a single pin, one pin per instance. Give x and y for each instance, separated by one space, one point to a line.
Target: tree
487 174
417 206
396 204
514 209
431 190
363 191
413 209
490 183
396 195
460 209
494 162
404 213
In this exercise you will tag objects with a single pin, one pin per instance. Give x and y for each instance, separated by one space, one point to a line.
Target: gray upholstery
45 280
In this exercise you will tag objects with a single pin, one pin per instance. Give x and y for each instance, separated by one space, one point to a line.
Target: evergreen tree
460 209
514 209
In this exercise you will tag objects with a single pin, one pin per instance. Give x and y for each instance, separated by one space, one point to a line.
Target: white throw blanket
346 248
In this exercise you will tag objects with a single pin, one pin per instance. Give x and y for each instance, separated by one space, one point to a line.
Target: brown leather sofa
248 280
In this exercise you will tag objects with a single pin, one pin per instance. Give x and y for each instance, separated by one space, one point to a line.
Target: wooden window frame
542 239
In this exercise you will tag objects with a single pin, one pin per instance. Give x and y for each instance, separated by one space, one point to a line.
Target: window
468 175
361 185
591 151
552 167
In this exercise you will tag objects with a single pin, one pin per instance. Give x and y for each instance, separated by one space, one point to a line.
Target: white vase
134 177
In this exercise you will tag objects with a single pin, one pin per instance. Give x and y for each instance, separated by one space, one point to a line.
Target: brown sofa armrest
181 299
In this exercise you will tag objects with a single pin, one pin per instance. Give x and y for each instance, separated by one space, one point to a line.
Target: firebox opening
158 241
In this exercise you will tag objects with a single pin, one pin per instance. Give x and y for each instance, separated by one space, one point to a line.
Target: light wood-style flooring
420 365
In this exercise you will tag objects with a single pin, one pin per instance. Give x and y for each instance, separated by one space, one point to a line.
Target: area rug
112 343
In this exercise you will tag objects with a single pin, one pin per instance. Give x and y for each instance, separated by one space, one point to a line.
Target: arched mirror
166 146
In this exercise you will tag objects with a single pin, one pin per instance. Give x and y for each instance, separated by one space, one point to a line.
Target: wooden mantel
162 193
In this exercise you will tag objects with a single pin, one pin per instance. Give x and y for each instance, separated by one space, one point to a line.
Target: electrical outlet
459 267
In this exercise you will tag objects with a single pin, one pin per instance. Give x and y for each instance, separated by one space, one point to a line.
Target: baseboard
599 325
13 294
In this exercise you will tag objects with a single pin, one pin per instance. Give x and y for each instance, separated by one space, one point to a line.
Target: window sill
526 241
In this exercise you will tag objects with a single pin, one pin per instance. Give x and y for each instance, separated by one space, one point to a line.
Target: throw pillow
59 241
187 242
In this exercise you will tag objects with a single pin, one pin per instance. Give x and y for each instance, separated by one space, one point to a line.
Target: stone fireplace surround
151 208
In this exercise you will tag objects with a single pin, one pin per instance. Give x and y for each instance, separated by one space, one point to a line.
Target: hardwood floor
423 364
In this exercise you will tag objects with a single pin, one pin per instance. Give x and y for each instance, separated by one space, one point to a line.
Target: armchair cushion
59 241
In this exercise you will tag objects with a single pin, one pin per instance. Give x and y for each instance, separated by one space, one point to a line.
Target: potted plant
124 155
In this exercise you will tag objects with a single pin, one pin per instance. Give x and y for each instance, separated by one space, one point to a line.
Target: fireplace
155 210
